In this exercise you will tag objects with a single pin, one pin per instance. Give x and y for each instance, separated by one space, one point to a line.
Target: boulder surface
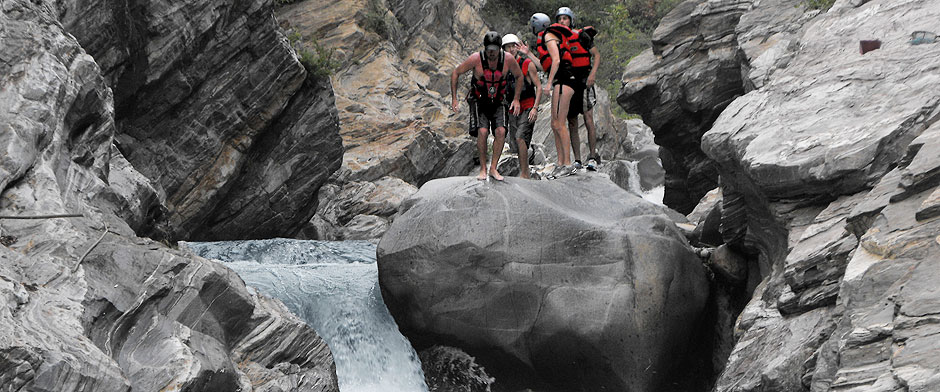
593 295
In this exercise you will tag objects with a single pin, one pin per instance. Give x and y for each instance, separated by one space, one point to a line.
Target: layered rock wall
84 303
833 193
212 106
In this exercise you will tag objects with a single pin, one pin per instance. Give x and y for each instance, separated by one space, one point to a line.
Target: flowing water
333 286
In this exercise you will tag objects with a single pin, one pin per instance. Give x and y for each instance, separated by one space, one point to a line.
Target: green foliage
317 60
823 5
374 19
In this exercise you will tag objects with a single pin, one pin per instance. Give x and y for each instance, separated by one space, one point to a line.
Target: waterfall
333 286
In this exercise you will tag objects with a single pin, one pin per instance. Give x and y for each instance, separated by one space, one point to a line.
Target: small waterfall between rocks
333 286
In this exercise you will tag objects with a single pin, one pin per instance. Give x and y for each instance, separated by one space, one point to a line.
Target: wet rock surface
521 274
84 303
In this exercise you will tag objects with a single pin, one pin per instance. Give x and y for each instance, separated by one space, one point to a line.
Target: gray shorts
520 127
487 115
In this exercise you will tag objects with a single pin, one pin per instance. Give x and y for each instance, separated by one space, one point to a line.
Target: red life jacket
580 57
527 98
563 32
492 87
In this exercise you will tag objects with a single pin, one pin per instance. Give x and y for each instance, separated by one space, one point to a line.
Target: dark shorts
565 77
582 101
520 127
487 115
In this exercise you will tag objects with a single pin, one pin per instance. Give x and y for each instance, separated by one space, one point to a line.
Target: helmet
565 11
492 38
539 22
510 39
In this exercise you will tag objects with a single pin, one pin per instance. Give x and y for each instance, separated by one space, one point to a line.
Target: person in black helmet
487 97
585 61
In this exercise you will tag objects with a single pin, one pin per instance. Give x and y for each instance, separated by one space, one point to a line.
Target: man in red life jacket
585 59
521 126
487 97
553 51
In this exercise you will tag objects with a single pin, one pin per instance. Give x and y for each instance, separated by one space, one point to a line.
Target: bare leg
591 132
481 148
499 137
556 129
523 158
559 117
575 137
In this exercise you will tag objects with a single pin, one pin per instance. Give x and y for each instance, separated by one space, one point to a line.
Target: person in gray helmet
487 97
585 59
552 46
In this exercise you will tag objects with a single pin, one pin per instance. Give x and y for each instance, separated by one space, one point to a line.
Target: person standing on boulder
487 97
554 55
585 58
521 126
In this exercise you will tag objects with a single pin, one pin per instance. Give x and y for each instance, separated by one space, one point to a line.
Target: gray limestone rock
830 187
85 305
358 209
587 294
212 106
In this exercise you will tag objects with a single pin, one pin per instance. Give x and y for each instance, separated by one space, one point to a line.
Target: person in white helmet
487 97
522 125
585 59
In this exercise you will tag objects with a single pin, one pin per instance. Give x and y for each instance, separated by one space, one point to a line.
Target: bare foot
482 176
495 175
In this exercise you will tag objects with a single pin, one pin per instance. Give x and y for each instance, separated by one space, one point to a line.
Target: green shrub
823 5
317 60
374 19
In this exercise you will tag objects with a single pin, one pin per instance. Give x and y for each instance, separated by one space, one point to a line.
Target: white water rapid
333 286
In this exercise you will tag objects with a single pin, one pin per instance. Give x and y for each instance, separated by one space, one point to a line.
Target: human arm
534 77
515 107
465 66
524 49
595 64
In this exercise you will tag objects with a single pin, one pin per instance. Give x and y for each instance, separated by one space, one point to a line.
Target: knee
499 132
483 133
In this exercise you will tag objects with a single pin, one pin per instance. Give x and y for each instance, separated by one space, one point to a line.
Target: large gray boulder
85 305
213 106
591 295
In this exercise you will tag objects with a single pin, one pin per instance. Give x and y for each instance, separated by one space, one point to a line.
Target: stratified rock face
393 85
591 295
85 305
681 85
838 191
357 210
212 106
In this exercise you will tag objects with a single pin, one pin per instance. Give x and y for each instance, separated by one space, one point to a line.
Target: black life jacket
492 87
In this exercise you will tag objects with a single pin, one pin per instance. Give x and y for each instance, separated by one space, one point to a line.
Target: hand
547 89
533 114
590 80
522 48
515 108
453 104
